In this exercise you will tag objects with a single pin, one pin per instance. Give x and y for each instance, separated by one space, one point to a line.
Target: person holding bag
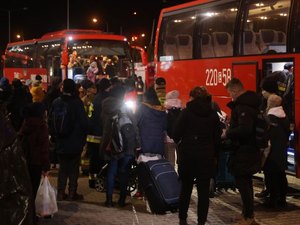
35 143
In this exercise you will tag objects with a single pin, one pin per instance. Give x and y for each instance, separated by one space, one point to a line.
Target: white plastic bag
45 201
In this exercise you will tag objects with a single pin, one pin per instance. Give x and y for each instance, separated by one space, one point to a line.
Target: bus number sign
214 77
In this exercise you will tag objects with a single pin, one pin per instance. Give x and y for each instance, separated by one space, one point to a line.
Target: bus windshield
113 56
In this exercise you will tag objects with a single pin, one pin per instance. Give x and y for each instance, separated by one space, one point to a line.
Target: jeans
68 169
121 167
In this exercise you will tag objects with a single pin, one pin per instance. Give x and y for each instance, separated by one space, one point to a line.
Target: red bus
207 42
51 55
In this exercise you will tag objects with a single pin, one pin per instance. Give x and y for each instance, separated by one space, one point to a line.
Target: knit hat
37 94
172 100
274 101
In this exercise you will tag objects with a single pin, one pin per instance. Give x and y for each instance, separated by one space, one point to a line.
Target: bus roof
185 5
75 33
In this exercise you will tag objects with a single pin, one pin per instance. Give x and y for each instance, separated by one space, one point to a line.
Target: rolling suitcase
161 185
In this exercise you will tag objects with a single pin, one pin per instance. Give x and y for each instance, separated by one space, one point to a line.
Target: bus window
177 37
215 30
49 53
20 56
265 27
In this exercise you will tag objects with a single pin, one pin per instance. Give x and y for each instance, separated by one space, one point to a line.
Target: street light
9 13
95 21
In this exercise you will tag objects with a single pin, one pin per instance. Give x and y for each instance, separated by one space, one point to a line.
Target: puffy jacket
245 159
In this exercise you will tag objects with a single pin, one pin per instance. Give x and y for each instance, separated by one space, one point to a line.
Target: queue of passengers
196 130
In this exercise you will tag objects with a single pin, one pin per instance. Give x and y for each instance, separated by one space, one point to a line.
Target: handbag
45 201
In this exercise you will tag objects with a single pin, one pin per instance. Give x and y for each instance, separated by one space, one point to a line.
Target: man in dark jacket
245 159
69 147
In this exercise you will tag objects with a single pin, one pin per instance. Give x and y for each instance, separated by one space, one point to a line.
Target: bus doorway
288 96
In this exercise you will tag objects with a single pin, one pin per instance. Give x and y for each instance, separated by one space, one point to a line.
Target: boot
122 200
183 222
109 202
74 196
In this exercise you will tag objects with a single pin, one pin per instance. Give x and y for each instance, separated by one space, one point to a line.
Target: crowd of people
161 127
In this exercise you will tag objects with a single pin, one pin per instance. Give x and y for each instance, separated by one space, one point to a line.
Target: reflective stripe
93 139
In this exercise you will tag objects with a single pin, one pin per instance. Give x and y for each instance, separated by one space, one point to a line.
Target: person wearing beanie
69 147
152 125
34 137
160 88
276 162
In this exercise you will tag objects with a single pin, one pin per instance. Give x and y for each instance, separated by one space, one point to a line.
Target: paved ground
223 209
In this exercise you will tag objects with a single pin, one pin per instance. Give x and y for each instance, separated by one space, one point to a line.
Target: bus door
284 64
247 72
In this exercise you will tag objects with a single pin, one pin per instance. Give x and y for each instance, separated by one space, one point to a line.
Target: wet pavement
224 207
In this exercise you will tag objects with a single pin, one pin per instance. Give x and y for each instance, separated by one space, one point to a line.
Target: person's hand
223 135
45 173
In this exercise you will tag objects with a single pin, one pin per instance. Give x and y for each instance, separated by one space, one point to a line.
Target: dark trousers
121 167
68 169
95 162
277 185
35 173
187 182
245 186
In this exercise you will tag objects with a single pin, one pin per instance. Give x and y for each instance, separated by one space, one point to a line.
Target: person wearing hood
117 162
276 162
35 140
92 71
197 131
152 123
244 161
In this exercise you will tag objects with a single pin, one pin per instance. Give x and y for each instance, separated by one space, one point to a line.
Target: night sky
45 16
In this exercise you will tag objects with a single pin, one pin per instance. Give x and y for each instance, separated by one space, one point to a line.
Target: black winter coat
245 158
278 133
197 131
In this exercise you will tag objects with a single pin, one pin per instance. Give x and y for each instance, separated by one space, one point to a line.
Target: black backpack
123 133
60 119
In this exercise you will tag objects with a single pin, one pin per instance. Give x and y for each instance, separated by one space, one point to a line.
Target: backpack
60 120
123 136
261 129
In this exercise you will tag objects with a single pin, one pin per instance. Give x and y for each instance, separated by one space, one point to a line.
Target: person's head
69 86
38 77
273 101
103 84
93 64
289 66
235 88
117 91
151 96
199 92
272 83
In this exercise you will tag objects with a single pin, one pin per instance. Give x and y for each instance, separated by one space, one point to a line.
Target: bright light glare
210 14
131 105
70 38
